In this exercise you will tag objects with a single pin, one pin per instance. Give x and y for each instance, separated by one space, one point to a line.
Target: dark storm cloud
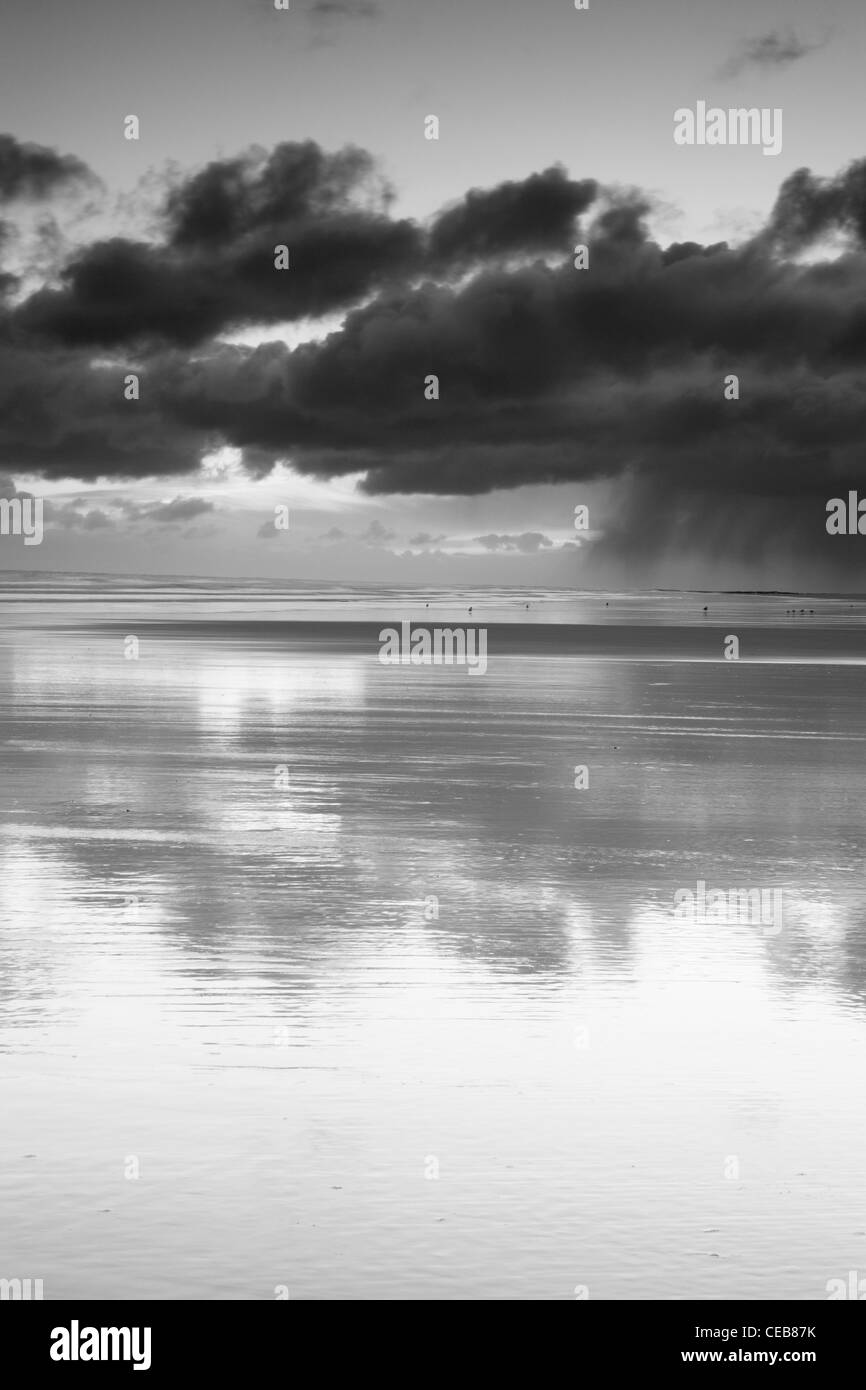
808 208
122 292
32 172
534 215
297 182
61 417
215 268
547 374
775 49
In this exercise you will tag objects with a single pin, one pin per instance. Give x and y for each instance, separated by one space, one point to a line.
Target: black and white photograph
432 662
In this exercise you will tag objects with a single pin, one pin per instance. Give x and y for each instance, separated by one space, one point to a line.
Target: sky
302 392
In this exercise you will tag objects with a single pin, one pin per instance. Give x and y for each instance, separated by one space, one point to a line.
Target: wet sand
415 1017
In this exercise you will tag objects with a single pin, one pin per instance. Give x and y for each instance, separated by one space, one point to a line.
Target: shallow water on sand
416 1017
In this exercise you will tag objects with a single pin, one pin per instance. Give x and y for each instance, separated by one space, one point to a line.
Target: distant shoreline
390 586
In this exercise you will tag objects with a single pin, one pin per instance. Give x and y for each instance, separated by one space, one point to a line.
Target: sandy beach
336 959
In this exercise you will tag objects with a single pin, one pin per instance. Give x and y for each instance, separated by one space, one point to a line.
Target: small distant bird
470 610
705 608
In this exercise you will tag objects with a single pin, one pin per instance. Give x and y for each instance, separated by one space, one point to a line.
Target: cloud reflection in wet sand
240 984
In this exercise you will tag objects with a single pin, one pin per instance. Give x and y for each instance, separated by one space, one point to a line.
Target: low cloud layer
35 172
528 542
